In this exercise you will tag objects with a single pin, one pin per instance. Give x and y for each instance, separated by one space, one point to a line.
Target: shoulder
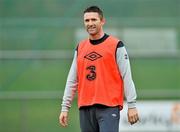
113 38
84 41
81 43
120 44
117 41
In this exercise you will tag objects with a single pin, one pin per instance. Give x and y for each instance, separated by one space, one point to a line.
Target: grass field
42 114
37 75
35 116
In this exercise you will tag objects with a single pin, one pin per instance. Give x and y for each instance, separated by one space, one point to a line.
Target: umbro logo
114 115
93 56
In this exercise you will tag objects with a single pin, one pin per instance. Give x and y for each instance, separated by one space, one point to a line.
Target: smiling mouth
92 28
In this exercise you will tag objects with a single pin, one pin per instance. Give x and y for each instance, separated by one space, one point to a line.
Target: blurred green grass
50 75
37 75
156 73
35 116
33 75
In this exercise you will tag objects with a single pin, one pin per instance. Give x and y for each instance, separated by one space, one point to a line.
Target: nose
90 23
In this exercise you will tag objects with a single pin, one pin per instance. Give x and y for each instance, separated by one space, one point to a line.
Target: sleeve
125 70
71 85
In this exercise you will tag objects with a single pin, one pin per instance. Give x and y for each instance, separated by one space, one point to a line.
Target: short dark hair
94 9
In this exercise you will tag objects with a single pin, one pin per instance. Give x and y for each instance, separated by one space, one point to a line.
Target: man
101 74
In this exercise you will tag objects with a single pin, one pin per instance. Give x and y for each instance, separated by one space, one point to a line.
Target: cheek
98 25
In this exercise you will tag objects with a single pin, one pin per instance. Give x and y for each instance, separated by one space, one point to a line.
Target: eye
86 20
93 19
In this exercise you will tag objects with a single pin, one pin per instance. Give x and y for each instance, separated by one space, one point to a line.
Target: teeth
91 27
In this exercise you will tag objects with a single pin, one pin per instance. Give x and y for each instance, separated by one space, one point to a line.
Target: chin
92 33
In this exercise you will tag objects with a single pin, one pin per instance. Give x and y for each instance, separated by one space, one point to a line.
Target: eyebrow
90 19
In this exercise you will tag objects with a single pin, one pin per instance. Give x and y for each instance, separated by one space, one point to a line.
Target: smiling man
101 74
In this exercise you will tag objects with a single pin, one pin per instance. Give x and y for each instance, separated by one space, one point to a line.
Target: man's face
93 23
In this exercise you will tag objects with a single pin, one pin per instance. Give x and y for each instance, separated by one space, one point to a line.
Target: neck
99 41
96 36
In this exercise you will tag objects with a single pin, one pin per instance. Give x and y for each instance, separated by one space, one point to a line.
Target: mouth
91 28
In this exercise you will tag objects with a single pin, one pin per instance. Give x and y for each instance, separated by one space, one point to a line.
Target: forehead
90 15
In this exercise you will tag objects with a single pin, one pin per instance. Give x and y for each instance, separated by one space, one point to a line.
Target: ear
103 21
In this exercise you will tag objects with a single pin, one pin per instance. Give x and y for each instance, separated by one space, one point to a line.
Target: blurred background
37 41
